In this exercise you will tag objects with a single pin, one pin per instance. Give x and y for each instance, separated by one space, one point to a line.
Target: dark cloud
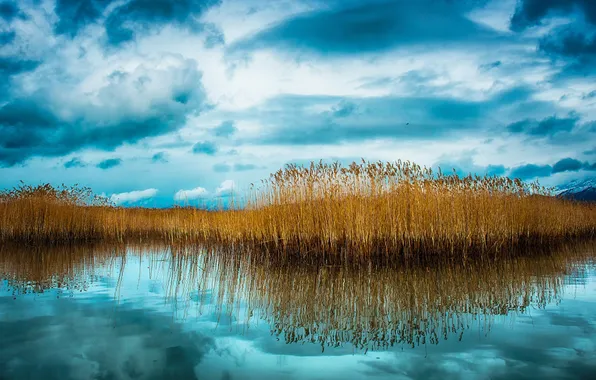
161 157
7 37
343 109
33 126
590 95
222 168
226 129
10 67
124 21
74 162
24 113
495 170
356 27
205 147
531 171
14 65
8 10
569 42
73 15
489 66
546 127
531 12
590 152
244 167
567 164
109 163
574 43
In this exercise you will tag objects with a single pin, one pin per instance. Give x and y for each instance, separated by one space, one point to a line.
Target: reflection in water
338 309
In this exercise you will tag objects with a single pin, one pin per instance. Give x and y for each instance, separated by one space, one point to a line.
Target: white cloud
185 195
225 189
133 196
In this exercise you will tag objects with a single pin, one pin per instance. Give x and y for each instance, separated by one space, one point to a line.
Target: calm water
154 312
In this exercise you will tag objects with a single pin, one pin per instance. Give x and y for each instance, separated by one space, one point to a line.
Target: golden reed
390 210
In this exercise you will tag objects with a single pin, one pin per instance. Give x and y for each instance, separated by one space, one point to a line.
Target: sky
182 101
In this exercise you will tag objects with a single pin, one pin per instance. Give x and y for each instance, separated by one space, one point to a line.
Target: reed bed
390 210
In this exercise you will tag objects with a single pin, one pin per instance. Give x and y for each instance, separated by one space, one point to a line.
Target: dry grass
390 210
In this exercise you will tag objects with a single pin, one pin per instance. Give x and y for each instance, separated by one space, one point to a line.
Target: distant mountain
580 190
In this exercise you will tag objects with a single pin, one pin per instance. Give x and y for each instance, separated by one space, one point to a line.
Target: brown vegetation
391 210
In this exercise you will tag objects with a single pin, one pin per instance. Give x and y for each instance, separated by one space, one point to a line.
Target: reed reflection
369 306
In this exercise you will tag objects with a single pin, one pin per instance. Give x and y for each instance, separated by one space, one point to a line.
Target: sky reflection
151 314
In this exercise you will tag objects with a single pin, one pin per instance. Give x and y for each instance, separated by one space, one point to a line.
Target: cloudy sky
163 101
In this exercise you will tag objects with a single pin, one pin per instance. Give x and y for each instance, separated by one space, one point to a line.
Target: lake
151 311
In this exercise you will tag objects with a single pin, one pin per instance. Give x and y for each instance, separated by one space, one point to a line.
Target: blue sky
174 100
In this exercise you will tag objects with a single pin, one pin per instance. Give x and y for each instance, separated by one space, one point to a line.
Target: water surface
152 312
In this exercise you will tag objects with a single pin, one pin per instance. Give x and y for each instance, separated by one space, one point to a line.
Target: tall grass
391 210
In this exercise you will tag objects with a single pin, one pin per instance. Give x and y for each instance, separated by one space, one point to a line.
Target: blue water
138 321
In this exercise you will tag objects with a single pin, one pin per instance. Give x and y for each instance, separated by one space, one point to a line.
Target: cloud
160 157
222 168
343 109
8 10
590 95
573 42
124 22
357 27
133 196
7 37
109 163
225 189
546 127
74 15
226 129
464 165
244 167
293 119
74 162
569 42
530 171
531 12
11 67
125 107
215 36
567 164
205 147
186 195
489 66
